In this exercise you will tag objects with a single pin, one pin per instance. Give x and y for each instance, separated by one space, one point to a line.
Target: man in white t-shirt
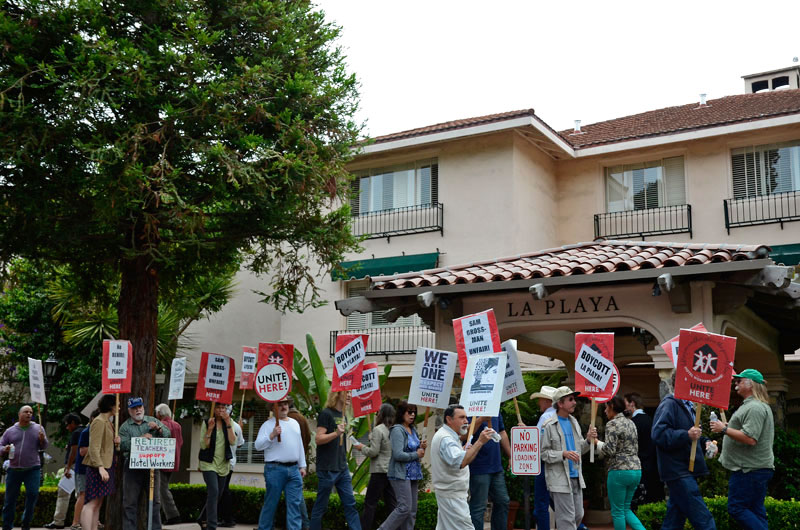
284 468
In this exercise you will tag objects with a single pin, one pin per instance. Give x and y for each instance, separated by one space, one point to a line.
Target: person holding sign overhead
164 415
99 461
332 463
215 459
561 447
486 477
673 432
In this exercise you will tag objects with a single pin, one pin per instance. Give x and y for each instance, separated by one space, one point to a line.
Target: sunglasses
414 412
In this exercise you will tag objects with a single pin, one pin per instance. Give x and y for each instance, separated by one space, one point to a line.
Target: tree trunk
138 323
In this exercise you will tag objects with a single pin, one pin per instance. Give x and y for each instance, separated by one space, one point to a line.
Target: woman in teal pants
625 469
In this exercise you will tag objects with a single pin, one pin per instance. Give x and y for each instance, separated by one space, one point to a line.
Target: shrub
780 514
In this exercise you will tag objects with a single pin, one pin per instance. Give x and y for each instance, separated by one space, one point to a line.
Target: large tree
161 139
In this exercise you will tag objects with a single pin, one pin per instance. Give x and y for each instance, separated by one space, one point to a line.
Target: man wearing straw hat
561 446
747 450
541 497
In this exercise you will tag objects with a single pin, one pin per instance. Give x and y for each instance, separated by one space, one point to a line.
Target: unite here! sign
671 346
514 384
216 378
348 362
525 456
594 364
475 334
433 378
367 399
274 376
152 453
705 368
117 366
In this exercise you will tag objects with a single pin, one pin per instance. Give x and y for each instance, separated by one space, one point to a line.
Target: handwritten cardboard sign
348 362
273 380
177 378
483 384
117 366
476 334
249 363
152 453
705 368
594 362
525 456
671 346
433 378
216 379
36 381
367 399
514 384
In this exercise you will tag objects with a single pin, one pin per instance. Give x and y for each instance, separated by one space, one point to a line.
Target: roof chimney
703 100
577 126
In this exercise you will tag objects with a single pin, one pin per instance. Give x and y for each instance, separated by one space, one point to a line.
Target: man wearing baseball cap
747 450
562 445
135 482
541 497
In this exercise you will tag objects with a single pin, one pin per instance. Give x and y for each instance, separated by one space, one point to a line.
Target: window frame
761 182
664 188
415 187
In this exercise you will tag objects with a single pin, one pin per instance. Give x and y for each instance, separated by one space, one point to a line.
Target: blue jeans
15 479
685 502
277 479
344 486
621 486
746 492
541 502
483 487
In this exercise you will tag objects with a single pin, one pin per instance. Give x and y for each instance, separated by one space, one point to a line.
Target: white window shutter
356 320
674 181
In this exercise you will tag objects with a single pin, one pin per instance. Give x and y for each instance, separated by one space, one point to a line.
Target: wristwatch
725 430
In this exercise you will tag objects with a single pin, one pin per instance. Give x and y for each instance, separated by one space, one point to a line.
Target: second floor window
765 169
400 186
646 185
376 319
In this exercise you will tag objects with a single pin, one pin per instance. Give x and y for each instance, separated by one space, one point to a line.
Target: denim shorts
80 483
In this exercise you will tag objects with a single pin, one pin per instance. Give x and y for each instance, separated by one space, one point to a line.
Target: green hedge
780 514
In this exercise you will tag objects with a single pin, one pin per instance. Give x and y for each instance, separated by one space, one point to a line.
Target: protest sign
594 361
36 381
483 384
525 456
475 334
514 384
117 366
433 378
348 362
705 368
152 453
216 379
671 346
249 362
177 378
614 383
273 380
367 399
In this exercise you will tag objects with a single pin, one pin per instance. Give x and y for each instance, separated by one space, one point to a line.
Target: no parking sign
525 456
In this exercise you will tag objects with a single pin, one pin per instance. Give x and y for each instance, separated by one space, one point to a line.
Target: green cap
752 374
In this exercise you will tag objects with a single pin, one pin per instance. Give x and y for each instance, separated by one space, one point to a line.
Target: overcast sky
421 62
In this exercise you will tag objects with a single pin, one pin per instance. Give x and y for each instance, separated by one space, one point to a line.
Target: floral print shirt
621 445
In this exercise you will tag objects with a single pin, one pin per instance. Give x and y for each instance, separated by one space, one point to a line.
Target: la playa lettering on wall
563 306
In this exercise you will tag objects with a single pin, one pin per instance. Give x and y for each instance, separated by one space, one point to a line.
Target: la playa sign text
561 306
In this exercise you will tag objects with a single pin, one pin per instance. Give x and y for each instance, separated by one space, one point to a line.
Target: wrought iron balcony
391 340
641 223
762 210
400 221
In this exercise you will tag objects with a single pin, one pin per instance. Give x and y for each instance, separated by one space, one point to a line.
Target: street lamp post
50 370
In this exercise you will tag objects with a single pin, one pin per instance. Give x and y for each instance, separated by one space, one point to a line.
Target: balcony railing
391 340
641 223
762 210
400 221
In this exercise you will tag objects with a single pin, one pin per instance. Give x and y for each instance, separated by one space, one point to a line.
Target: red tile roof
582 258
723 111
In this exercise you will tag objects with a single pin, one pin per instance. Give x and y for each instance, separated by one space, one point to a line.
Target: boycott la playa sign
348 362
367 399
483 384
249 362
152 453
117 366
705 368
594 364
475 334
525 456
433 378
216 378
671 346
274 376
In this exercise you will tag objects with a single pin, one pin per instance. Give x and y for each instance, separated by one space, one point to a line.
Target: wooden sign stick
471 430
722 413
241 407
594 417
116 422
698 408
277 420
174 407
341 436
516 408
39 412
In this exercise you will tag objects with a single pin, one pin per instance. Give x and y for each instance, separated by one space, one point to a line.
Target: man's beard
464 429
139 416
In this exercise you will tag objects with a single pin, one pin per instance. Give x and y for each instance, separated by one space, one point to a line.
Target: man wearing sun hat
747 450
561 447
541 497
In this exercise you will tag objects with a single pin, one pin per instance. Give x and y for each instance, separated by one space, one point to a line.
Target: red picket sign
350 354
117 366
274 374
367 399
476 334
602 344
216 379
705 368
249 364
671 346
